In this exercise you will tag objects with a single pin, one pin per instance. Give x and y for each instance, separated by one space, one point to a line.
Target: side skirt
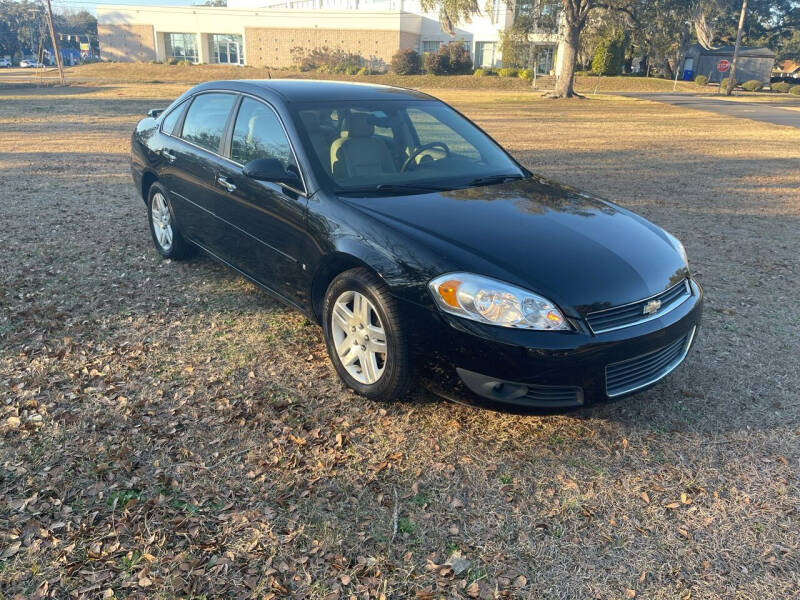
266 288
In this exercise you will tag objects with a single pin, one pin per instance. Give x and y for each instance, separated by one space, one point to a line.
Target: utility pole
53 39
732 77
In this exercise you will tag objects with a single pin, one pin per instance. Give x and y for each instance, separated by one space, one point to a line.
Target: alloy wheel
359 337
162 221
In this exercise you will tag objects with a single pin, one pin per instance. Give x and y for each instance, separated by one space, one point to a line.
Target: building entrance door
228 49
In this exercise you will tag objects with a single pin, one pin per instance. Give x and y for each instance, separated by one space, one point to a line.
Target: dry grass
170 431
162 73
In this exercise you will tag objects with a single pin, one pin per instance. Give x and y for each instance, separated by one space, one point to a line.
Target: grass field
167 430
161 73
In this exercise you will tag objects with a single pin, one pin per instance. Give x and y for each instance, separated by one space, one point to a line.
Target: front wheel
366 340
166 237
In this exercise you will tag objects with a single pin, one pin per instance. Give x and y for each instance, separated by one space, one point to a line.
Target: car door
194 157
266 231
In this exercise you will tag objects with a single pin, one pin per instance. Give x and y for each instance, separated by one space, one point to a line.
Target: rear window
206 118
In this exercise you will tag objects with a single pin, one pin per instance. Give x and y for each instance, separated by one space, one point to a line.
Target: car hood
581 252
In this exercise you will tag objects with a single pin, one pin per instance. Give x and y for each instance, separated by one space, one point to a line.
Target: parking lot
168 427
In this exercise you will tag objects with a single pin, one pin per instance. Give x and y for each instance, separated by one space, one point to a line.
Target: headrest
357 125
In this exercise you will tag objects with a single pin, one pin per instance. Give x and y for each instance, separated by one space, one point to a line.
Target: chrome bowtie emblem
652 307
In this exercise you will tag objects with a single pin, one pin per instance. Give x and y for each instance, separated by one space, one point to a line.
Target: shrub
507 72
781 87
753 85
326 60
459 60
172 61
184 63
437 64
526 74
364 71
405 62
795 90
724 83
701 80
479 73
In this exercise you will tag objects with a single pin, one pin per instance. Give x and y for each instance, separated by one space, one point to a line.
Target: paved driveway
783 112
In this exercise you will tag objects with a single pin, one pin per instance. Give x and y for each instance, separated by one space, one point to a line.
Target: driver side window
430 129
259 134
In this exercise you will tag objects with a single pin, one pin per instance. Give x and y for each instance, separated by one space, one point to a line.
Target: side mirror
270 169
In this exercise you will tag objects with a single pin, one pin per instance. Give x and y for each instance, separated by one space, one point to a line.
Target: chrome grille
634 313
635 373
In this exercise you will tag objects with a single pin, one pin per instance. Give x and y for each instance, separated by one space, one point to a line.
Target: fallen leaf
458 563
645 497
11 550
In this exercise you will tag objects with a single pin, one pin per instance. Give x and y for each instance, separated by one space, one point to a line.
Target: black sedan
414 239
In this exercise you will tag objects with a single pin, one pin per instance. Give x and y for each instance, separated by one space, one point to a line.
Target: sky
77 5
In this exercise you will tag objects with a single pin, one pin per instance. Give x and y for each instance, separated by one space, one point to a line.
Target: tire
166 236
344 313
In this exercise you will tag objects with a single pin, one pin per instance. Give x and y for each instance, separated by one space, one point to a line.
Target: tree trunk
565 83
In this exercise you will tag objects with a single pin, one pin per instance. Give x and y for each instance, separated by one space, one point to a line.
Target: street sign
723 65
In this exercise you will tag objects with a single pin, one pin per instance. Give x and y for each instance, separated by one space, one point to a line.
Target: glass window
182 46
397 143
258 134
485 53
227 49
548 16
544 59
171 119
430 129
430 46
205 120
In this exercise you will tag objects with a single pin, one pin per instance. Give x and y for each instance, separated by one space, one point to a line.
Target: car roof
302 90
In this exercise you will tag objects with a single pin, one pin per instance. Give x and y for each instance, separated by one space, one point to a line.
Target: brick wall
272 47
126 43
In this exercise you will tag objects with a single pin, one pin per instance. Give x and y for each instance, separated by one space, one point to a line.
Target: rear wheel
166 237
367 342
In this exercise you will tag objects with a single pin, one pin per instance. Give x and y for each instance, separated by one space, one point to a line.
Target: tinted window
171 120
205 121
258 134
365 145
430 128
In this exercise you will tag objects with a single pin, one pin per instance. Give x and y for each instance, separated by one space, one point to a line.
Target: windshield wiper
492 179
392 187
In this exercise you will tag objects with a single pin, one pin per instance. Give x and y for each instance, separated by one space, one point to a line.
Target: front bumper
548 369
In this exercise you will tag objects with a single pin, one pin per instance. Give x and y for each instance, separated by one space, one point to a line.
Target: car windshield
398 147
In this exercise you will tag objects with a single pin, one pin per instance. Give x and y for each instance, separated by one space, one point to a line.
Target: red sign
723 65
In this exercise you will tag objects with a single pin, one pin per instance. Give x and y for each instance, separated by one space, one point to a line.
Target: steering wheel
417 151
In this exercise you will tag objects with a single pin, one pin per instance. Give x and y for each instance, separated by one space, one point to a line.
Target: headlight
490 301
679 247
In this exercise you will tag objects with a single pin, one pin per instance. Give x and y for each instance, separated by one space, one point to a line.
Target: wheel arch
148 179
331 267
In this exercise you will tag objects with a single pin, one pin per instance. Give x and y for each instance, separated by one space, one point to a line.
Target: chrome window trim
303 192
660 313
669 369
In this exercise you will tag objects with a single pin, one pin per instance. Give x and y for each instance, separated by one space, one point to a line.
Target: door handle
224 182
169 156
